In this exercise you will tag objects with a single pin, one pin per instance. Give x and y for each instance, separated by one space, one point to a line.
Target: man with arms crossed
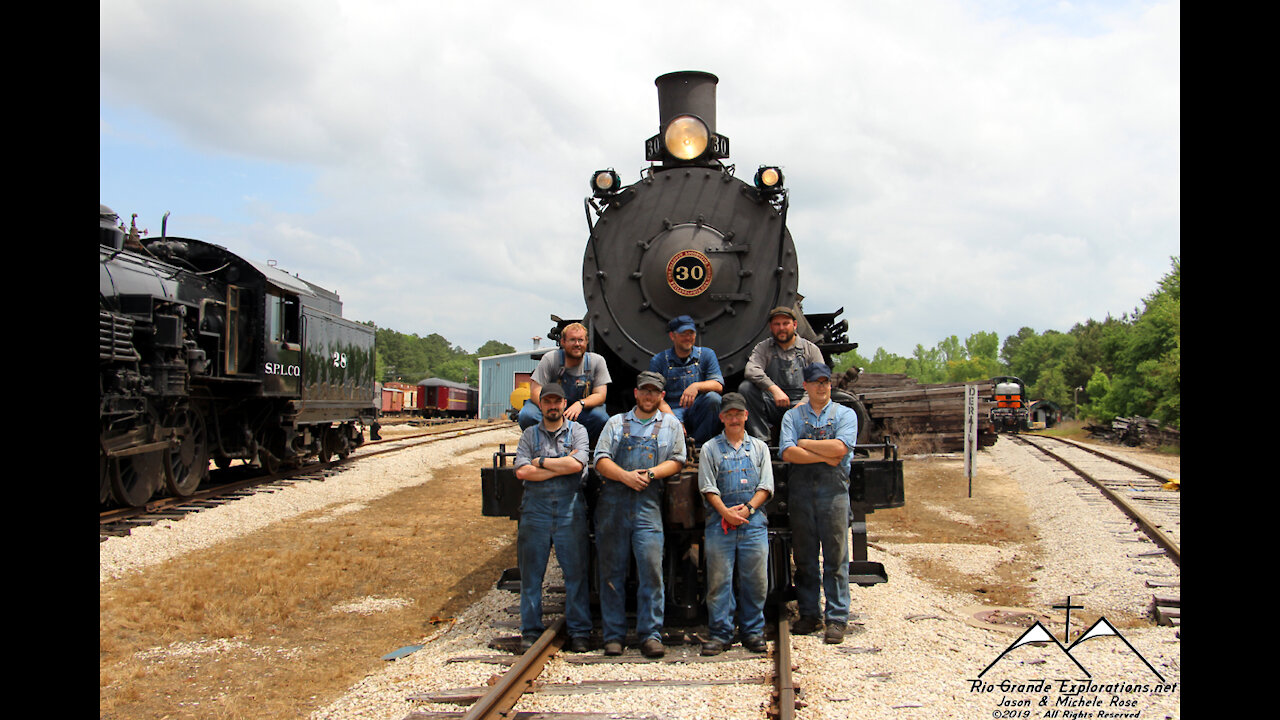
552 460
817 438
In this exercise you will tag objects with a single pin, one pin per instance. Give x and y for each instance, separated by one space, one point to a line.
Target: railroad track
120 521
499 697
1151 499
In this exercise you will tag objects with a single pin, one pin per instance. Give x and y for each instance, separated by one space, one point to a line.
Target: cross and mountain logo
1038 633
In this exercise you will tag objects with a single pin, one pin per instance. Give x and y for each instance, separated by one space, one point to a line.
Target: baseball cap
733 401
816 371
648 377
681 323
783 310
552 389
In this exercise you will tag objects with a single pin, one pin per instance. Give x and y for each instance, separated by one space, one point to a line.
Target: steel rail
1158 536
1162 477
520 677
784 707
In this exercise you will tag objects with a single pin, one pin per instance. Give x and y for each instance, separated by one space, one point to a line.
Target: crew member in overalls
694 380
774 376
552 460
735 477
637 451
817 438
584 376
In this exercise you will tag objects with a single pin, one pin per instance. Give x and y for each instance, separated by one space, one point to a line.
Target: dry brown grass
995 515
248 629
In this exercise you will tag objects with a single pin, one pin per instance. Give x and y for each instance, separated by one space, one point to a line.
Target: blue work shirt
708 368
570 440
835 421
671 445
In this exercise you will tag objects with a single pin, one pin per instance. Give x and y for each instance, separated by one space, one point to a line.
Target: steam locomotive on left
204 355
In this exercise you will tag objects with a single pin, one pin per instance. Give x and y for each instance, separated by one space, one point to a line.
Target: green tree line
1100 370
409 358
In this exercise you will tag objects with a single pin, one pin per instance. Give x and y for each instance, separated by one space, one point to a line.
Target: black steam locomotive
204 355
689 238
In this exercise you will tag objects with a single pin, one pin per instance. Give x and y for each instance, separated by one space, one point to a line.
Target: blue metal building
498 378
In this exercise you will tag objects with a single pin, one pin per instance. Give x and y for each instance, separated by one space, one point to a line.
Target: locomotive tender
205 355
689 238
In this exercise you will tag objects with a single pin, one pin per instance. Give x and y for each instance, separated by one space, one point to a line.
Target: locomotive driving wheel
135 478
188 463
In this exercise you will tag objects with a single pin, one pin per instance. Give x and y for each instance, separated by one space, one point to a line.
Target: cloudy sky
955 165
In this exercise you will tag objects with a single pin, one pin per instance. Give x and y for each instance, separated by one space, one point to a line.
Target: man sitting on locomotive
584 376
735 477
637 450
775 372
552 460
817 439
694 380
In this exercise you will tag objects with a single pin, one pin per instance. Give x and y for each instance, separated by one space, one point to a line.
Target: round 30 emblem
689 273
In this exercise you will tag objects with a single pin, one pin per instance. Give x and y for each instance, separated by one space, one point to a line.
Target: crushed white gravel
910 651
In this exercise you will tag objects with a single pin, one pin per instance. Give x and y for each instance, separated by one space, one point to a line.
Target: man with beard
817 439
775 372
582 374
694 380
637 451
552 460
735 477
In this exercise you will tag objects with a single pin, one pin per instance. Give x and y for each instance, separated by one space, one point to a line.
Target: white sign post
970 432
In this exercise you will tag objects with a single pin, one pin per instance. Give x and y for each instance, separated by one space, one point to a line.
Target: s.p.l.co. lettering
279 369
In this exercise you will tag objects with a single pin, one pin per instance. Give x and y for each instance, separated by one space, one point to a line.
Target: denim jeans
553 513
818 507
742 553
702 418
630 523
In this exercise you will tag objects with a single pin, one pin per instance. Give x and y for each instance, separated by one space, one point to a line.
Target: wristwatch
651 475
750 509
542 462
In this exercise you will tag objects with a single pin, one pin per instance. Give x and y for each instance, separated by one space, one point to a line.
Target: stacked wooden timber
1137 430
919 417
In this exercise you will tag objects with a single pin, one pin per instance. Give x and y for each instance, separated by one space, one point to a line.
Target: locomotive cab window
283 320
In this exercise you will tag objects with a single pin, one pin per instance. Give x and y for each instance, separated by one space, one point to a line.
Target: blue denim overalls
631 522
818 505
745 548
554 513
703 417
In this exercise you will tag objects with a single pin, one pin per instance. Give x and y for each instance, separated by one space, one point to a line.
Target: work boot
578 645
834 634
755 644
613 647
652 648
712 647
805 625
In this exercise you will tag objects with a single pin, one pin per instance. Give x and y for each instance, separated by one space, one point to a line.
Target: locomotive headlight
605 182
686 137
769 178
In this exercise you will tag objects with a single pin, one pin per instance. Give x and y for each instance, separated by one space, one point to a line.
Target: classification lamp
605 182
769 179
